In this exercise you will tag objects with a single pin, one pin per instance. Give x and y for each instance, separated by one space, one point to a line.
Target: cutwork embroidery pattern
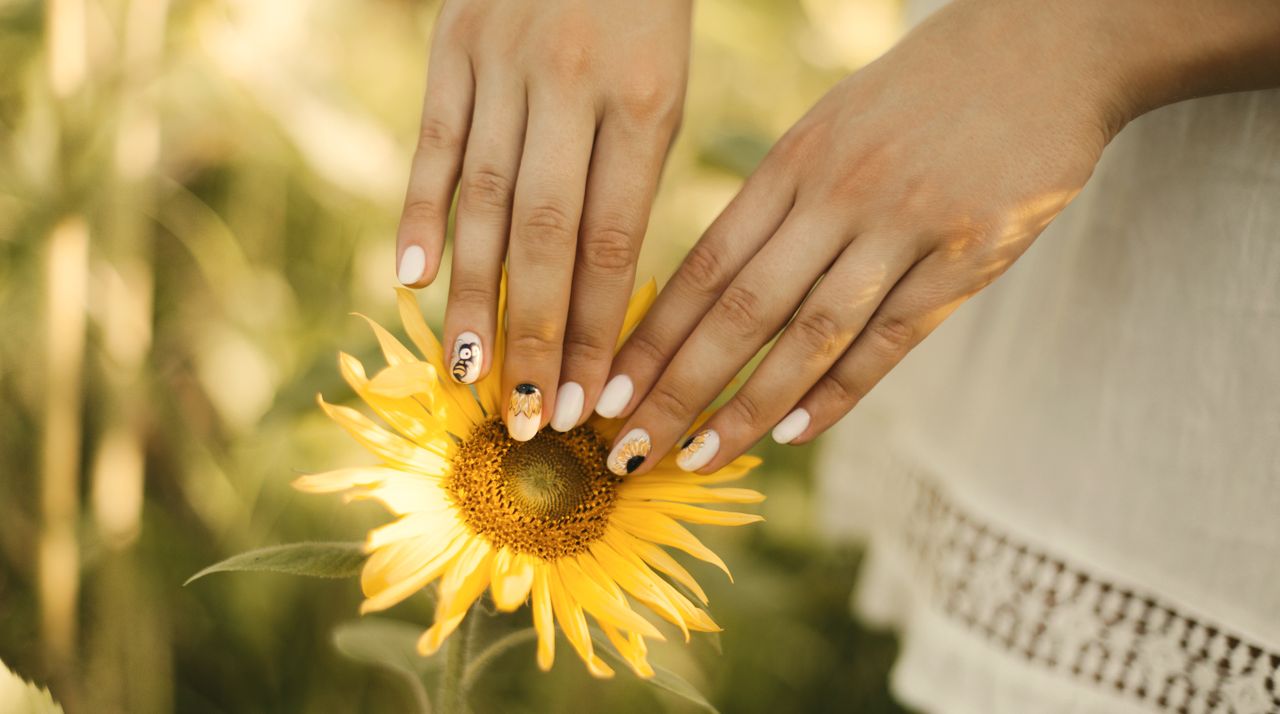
1060 617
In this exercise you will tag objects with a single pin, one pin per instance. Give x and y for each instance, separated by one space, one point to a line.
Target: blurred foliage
193 196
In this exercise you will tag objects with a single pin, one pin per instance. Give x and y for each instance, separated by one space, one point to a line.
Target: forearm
1171 50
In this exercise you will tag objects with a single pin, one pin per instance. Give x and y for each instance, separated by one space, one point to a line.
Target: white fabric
1111 404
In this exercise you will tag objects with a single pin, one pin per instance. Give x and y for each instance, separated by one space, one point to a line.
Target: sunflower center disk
550 496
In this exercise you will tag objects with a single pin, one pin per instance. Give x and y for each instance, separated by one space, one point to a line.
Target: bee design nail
698 450
524 412
467 358
630 453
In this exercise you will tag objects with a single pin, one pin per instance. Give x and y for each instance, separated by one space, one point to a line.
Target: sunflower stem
491 653
453 695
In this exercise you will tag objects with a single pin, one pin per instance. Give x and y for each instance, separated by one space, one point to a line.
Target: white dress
1071 491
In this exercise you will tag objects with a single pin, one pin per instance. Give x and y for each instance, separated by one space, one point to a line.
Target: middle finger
544 236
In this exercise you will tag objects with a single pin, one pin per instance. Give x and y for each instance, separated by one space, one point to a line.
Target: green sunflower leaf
662 678
18 696
391 645
317 560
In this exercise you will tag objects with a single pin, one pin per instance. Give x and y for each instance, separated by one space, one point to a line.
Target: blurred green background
193 197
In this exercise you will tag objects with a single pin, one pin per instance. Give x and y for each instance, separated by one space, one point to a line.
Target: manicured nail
412 264
524 412
569 398
698 450
627 456
792 426
615 397
468 355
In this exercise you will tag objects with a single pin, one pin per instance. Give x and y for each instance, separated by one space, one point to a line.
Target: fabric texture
1071 491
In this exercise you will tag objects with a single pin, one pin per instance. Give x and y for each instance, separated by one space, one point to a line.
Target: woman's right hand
909 187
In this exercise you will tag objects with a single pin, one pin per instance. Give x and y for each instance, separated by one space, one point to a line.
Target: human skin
551 120
910 186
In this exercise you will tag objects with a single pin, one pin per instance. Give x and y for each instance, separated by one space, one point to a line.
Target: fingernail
412 264
615 397
698 450
569 398
468 355
627 456
791 426
524 412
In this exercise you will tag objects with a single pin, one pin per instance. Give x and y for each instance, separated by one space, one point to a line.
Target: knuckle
607 248
747 410
533 344
738 309
422 211
648 99
840 390
472 294
547 225
670 402
891 336
646 343
570 60
587 347
818 332
703 269
486 187
435 134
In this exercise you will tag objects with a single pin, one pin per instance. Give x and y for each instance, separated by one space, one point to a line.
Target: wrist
1145 54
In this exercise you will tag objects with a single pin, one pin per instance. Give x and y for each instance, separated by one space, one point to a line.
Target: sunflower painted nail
467 357
698 450
524 412
627 456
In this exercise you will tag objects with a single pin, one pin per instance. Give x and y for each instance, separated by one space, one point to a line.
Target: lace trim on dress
1060 617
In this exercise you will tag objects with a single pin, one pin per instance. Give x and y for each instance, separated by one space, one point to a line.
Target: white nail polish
615 397
468 356
792 426
524 412
698 450
630 452
569 398
412 264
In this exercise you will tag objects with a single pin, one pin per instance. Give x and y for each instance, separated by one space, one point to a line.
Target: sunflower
544 521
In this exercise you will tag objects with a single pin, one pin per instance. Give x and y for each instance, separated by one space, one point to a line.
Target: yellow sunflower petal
732 471
392 448
600 603
640 303
489 389
392 349
658 559
543 620
512 579
632 649
343 479
660 528
400 569
646 488
403 381
418 524
464 582
691 514
406 415
574 623
460 402
403 493
637 580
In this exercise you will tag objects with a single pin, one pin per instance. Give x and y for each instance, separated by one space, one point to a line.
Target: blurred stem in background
66 278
